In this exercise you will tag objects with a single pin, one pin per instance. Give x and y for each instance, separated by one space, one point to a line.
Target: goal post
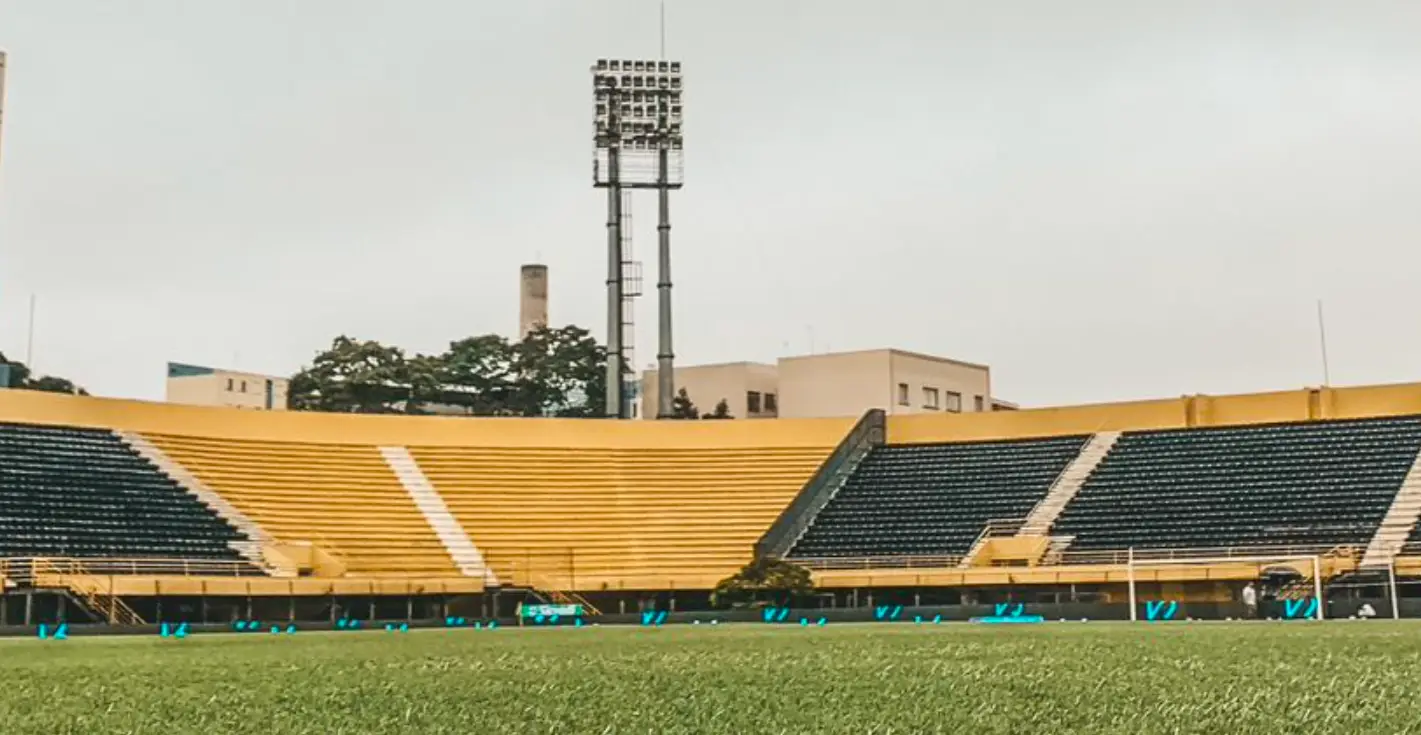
1134 565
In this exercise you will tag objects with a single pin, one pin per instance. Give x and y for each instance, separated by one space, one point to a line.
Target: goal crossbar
1132 564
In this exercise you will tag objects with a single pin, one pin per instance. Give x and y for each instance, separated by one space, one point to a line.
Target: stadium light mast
637 144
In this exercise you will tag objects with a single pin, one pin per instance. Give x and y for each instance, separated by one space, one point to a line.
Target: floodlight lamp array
637 105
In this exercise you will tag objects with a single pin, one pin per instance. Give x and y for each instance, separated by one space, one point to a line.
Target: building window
244 386
977 404
954 402
752 402
229 385
772 403
903 394
930 398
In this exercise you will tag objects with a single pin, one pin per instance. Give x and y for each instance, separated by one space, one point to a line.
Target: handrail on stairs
869 432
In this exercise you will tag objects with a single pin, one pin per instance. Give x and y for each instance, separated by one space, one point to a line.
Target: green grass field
1097 677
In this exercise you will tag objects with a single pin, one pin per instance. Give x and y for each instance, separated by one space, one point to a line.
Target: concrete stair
1056 549
1399 521
1041 518
461 548
251 549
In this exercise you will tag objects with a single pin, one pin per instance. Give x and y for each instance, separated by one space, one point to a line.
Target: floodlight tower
637 144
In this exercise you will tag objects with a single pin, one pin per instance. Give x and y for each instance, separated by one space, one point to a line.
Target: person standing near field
1250 601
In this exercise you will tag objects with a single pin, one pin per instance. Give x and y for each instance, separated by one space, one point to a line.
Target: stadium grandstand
133 512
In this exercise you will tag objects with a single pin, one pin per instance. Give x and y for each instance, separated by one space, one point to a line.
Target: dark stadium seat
1302 484
934 499
84 493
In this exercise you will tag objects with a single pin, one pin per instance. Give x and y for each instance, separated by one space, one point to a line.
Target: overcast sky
1102 200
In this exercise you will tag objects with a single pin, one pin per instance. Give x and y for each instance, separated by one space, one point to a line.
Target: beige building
204 386
748 388
836 384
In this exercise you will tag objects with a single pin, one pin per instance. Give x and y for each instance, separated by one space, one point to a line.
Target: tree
559 372
550 372
477 373
722 411
18 375
764 580
355 376
54 384
682 407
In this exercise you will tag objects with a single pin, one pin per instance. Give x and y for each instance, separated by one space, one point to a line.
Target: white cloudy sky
1101 199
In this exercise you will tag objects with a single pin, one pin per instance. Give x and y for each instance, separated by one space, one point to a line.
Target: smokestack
532 299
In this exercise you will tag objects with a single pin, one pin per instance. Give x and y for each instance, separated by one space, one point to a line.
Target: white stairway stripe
257 535
1400 518
426 497
1044 515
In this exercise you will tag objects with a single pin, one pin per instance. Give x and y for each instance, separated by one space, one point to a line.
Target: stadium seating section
341 497
591 518
934 499
84 493
1322 483
568 505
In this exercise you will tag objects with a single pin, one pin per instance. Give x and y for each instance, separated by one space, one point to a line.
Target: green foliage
354 376
559 372
764 580
19 376
722 411
551 372
682 407
478 372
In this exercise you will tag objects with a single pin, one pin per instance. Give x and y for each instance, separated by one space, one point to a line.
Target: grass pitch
884 678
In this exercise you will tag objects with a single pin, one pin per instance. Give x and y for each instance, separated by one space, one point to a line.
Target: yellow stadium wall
293 426
1175 413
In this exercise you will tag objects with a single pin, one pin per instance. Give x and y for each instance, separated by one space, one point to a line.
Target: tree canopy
18 375
550 372
722 411
682 407
764 581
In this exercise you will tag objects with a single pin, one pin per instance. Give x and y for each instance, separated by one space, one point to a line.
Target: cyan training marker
1300 609
775 614
887 612
1161 610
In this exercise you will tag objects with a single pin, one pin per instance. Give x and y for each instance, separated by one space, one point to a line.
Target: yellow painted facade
591 504
1177 413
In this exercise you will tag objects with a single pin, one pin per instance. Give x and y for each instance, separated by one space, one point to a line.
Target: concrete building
204 386
750 389
836 384
532 299
897 381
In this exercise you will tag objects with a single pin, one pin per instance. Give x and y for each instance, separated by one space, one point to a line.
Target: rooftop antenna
1322 337
30 337
663 30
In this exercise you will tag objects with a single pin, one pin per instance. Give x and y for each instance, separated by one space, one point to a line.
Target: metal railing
879 562
1214 553
26 569
794 520
1112 557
